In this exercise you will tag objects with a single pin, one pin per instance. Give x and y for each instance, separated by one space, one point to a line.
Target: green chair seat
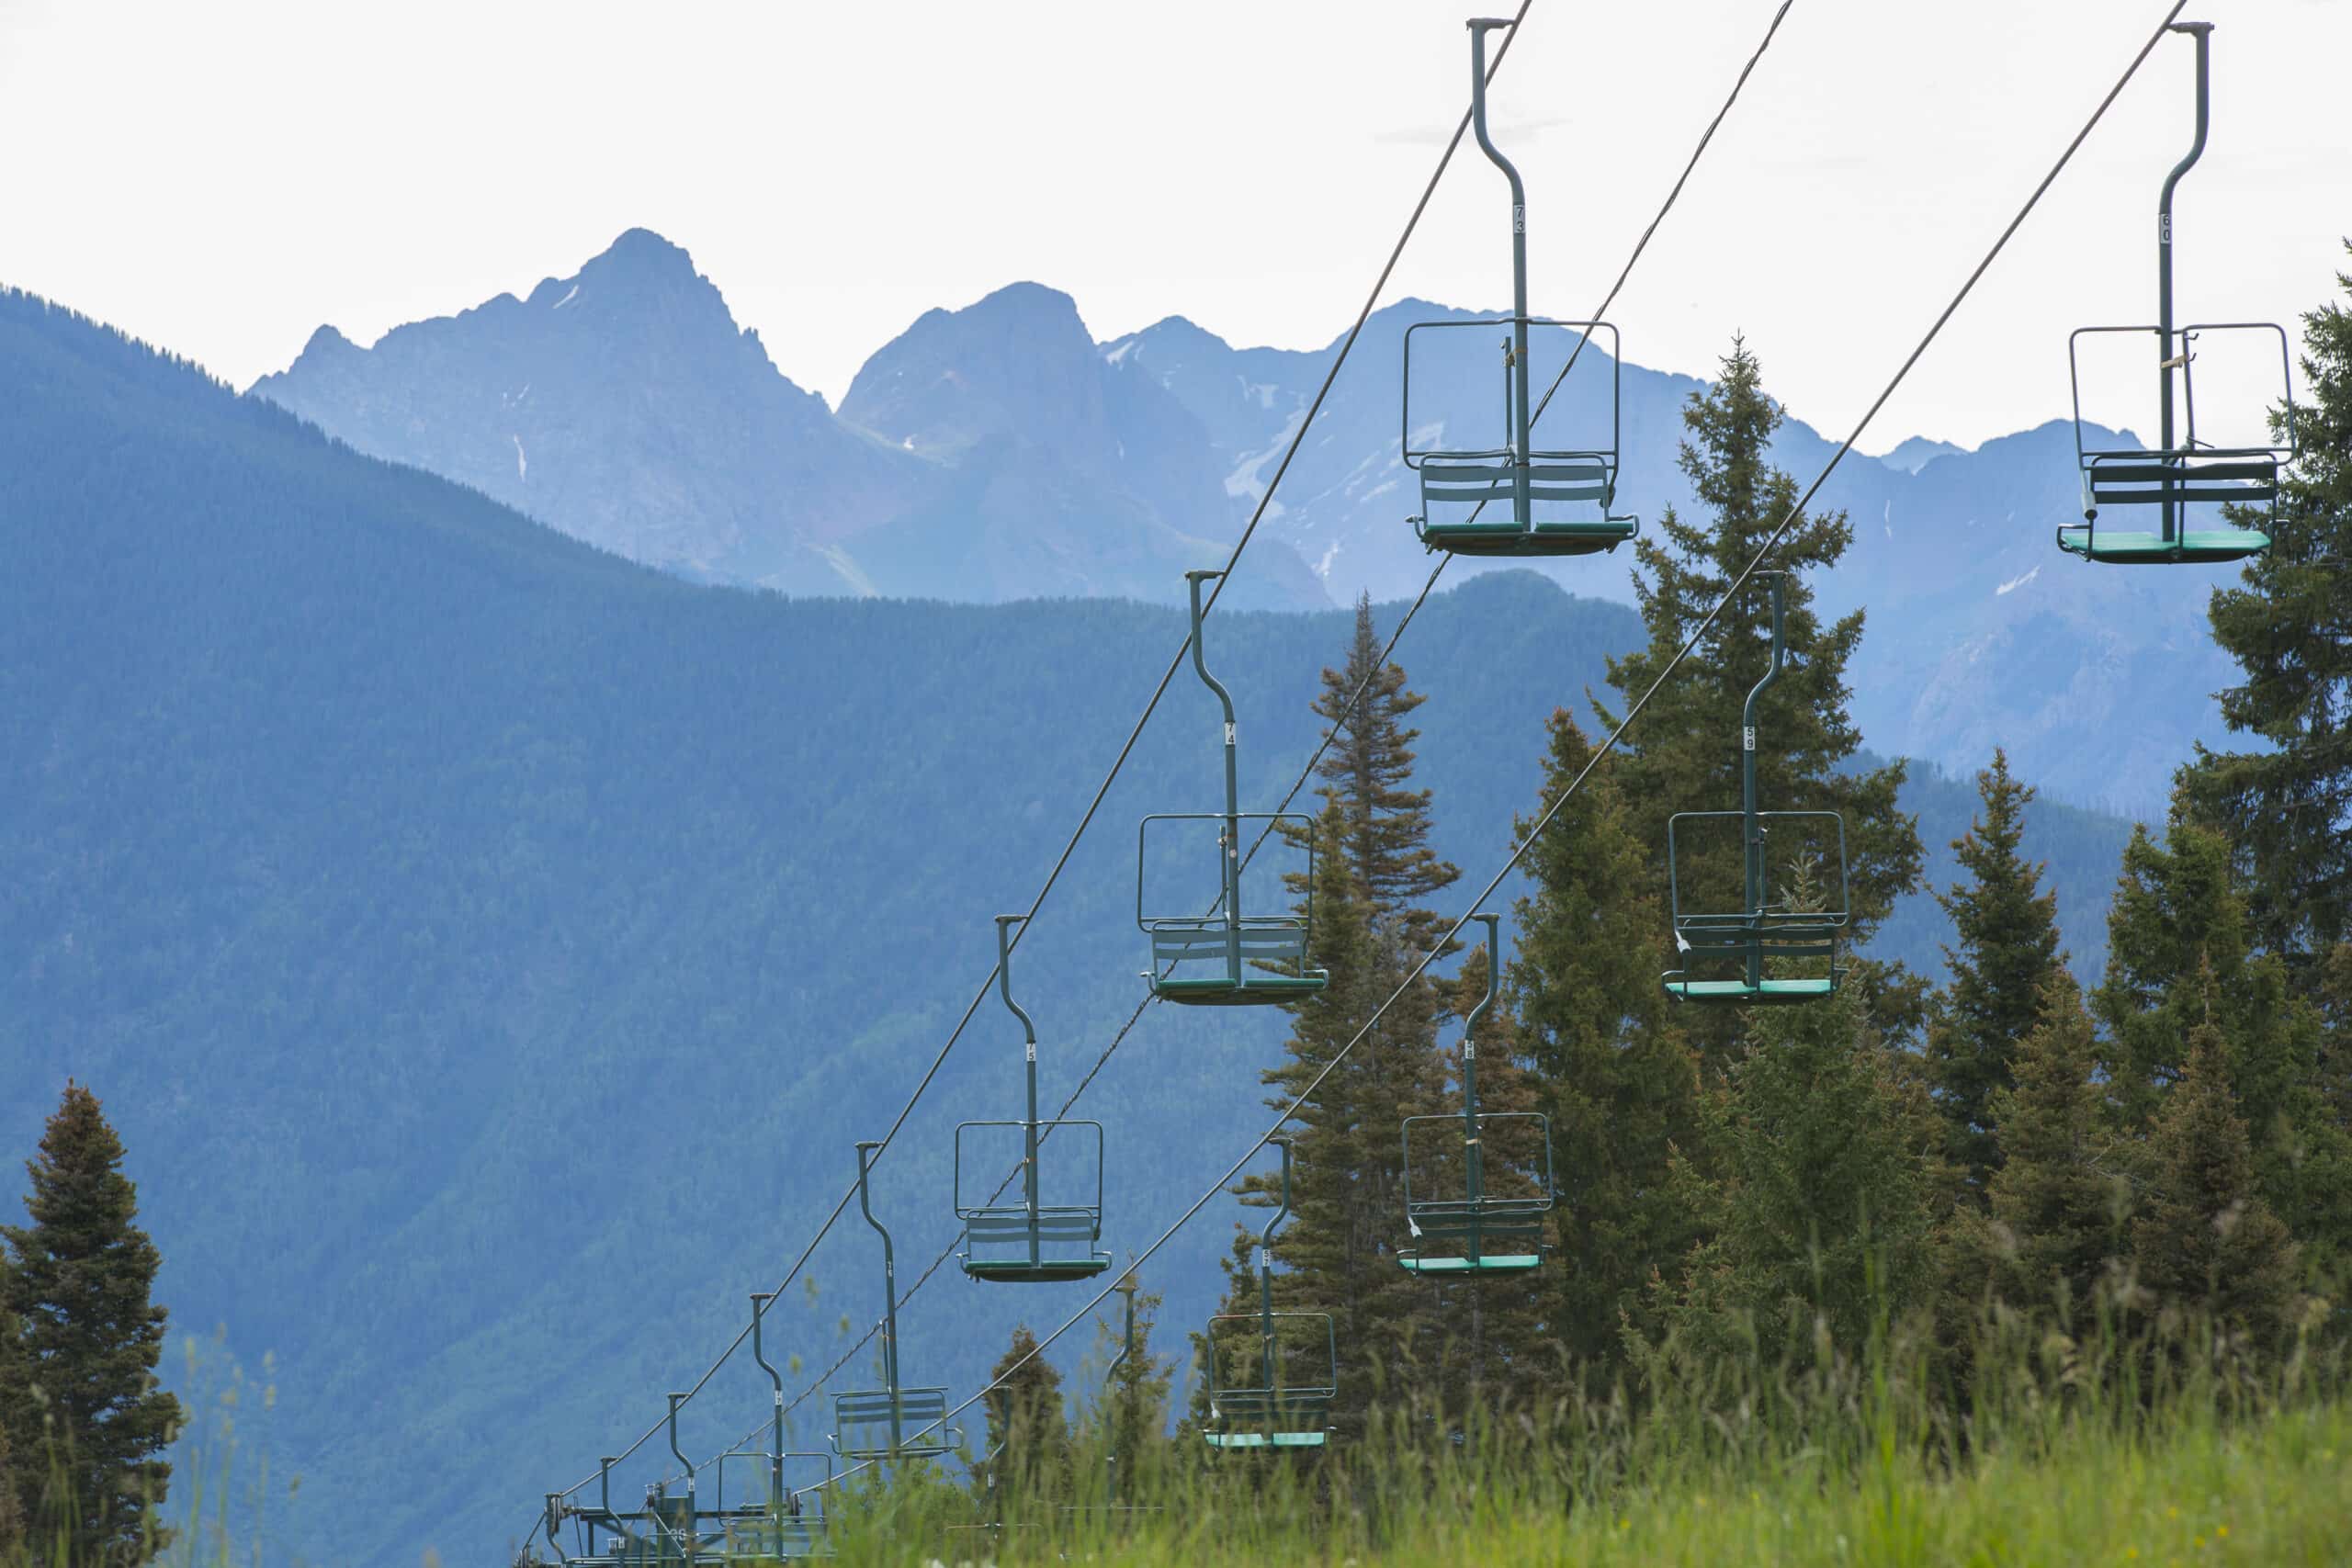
1800 991
1486 1263
1507 538
1217 990
1020 1271
1264 1439
2122 548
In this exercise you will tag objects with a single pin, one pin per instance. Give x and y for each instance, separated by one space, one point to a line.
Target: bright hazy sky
222 178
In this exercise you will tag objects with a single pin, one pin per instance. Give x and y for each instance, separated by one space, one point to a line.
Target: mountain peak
641 250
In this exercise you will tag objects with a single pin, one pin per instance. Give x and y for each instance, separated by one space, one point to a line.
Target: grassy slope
2277 1492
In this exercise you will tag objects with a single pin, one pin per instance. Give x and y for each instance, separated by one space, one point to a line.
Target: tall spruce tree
1686 751
2180 957
2287 804
80 1282
1368 769
1820 1211
2007 954
1373 866
1130 1418
1618 1080
1028 1453
2205 1240
2057 1202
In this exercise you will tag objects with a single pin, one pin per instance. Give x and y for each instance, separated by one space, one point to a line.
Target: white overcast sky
222 178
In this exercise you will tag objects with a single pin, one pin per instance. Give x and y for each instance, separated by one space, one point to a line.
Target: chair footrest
1486 1263
2121 548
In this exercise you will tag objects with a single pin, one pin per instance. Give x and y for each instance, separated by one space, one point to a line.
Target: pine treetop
2006 926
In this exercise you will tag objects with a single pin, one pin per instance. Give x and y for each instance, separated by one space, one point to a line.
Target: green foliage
1686 753
2007 957
2180 958
1820 1217
2057 1200
2204 1239
1367 770
1028 1451
1372 865
1618 1080
1128 1423
2286 805
78 1286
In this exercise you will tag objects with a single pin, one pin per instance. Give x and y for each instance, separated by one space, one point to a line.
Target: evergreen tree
2180 958
1686 754
1131 1416
1367 769
1619 1081
2288 806
2056 1200
1372 865
2204 1239
1821 1202
1028 1452
1820 1214
80 1281
2007 958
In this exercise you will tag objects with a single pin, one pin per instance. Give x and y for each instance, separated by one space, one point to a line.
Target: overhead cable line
1347 710
1233 559
1772 543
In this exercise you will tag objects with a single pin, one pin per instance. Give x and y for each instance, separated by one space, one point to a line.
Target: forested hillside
488 948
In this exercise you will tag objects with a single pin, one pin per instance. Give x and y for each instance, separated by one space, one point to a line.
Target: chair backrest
1001 1226
1461 1219
862 1422
2130 480
1268 939
1584 478
1774 935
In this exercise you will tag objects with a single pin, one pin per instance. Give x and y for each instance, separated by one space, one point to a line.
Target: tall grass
2134 1440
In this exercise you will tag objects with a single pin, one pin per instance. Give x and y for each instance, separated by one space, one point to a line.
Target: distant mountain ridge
624 406
996 452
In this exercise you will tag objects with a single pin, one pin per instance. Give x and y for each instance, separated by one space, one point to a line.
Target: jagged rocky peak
640 278
1018 363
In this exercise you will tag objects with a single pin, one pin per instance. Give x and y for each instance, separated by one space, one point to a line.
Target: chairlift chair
1764 934
1550 501
2181 470
1275 1412
1228 957
1485 1233
1028 1240
894 1422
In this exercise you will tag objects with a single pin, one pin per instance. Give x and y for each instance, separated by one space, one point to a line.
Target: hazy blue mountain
1075 474
489 947
624 407
1916 452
